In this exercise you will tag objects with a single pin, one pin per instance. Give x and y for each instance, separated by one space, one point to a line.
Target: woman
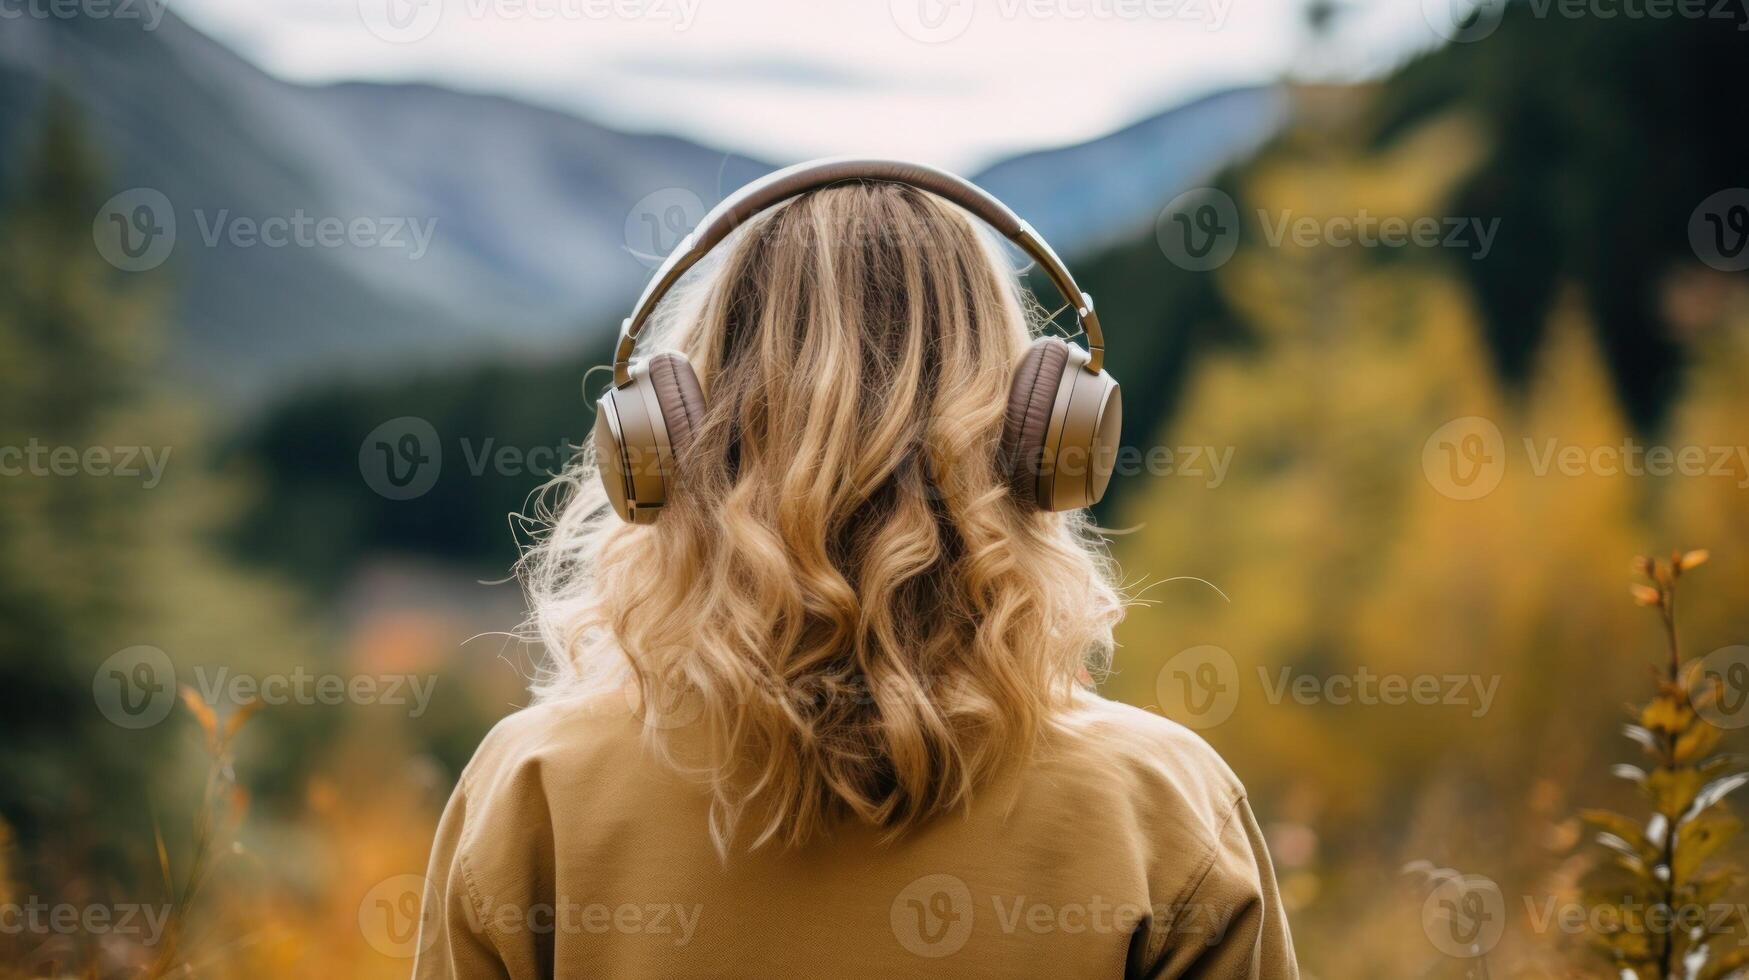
831 714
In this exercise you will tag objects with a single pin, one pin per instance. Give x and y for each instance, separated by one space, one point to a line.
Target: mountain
457 225
525 207
1089 195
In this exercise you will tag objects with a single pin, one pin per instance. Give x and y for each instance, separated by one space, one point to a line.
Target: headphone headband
790 182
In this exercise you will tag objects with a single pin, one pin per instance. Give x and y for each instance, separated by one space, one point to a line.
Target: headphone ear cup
1028 416
640 429
1062 428
679 396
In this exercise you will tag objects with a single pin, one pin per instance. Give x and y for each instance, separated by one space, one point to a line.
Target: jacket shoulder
1160 769
551 744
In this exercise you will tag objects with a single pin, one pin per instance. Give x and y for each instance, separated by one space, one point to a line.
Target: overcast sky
954 82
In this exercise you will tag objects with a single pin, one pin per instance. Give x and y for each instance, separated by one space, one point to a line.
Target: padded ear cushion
1028 416
679 395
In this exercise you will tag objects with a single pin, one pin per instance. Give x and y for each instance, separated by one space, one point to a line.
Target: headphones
1060 432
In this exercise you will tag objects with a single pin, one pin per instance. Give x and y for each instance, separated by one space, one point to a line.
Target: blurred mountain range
541 225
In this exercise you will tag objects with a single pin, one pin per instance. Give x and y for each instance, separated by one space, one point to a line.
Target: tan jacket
1126 849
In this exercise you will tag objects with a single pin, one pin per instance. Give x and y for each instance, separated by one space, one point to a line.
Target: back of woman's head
842 597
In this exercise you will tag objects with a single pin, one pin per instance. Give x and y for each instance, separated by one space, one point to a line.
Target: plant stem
1667 609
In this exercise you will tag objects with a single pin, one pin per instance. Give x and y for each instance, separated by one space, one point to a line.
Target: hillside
490 227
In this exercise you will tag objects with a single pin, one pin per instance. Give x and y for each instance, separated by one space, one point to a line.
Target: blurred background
1430 317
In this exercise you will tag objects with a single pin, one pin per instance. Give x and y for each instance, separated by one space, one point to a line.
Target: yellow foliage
1340 552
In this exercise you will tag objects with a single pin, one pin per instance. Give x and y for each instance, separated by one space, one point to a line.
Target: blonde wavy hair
841 595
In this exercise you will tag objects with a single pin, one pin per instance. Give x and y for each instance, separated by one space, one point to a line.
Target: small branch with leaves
222 807
1654 893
